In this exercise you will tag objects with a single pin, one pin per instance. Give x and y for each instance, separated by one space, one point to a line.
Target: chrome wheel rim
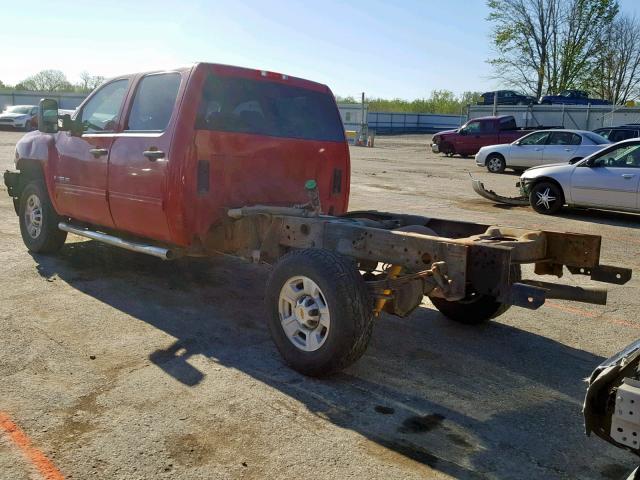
33 216
545 198
304 313
494 164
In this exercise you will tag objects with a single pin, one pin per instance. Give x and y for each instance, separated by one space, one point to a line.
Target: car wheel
546 198
319 311
495 163
38 220
27 126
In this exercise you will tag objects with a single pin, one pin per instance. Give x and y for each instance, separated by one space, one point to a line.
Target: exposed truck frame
178 189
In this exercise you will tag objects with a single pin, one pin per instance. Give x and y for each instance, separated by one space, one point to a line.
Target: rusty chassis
436 257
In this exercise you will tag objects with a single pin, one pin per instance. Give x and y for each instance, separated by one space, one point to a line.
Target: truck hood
445 132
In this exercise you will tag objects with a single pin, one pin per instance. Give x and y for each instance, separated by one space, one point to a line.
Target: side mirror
48 116
462 131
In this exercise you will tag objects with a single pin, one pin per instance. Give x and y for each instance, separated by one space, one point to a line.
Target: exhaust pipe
163 253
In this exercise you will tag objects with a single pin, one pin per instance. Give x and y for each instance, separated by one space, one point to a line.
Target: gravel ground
120 366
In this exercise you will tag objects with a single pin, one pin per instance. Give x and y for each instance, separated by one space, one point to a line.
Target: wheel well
29 170
495 154
550 180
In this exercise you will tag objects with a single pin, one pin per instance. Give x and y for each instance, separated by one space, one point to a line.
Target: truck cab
161 154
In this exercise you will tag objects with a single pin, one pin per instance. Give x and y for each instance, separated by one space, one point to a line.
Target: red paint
491 132
159 200
38 459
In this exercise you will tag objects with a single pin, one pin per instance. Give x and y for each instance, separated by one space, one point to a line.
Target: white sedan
540 148
608 179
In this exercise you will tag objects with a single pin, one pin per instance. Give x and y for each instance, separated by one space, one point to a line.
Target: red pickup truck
217 159
478 133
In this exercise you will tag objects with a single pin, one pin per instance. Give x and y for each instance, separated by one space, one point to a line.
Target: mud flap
478 187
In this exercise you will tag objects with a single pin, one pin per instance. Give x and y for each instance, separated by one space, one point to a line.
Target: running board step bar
160 252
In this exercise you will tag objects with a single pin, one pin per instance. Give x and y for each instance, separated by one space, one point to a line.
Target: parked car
506 97
477 133
540 148
617 134
572 97
612 399
607 179
22 117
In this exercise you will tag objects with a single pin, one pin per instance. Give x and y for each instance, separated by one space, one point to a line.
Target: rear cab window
261 107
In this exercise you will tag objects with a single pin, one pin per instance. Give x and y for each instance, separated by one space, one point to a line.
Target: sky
390 49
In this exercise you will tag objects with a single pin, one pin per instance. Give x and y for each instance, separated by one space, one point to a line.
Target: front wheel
319 311
496 163
38 220
546 198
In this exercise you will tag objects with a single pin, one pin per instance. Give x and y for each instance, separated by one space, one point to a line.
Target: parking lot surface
116 365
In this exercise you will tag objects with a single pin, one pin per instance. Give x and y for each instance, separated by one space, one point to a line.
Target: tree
46 81
2 85
547 45
616 73
89 82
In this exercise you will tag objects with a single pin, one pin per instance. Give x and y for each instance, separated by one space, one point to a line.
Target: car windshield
595 138
19 109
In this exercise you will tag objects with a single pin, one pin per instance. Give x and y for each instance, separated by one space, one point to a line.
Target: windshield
19 109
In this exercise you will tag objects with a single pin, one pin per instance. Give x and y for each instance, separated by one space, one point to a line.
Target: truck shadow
489 401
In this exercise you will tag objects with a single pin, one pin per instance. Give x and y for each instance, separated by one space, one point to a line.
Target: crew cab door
611 180
561 147
80 171
474 135
139 158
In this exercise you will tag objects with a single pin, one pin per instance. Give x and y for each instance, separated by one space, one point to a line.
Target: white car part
625 421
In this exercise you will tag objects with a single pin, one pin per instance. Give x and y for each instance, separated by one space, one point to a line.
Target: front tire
319 311
546 198
475 308
38 220
496 163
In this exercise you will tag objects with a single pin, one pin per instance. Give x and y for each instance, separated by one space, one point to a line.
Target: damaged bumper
480 189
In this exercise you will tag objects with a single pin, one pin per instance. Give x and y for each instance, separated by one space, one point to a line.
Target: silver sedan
609 179
541 147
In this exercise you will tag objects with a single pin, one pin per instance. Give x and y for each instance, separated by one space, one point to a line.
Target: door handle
98 152
628 175
568 149
153 155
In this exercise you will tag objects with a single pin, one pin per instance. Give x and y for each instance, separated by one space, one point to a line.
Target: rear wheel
27 126
475 308
319 311
495 163
546 198
38 220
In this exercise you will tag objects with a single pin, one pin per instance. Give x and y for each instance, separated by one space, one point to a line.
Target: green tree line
439 101
55 81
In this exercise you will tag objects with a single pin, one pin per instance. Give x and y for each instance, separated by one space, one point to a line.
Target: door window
619 135
564 138
537 138
627 156
153 103
101 113
473 127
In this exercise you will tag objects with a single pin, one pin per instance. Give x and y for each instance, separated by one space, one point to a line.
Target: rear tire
546 198
495 163
319 311
475 308
38 220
